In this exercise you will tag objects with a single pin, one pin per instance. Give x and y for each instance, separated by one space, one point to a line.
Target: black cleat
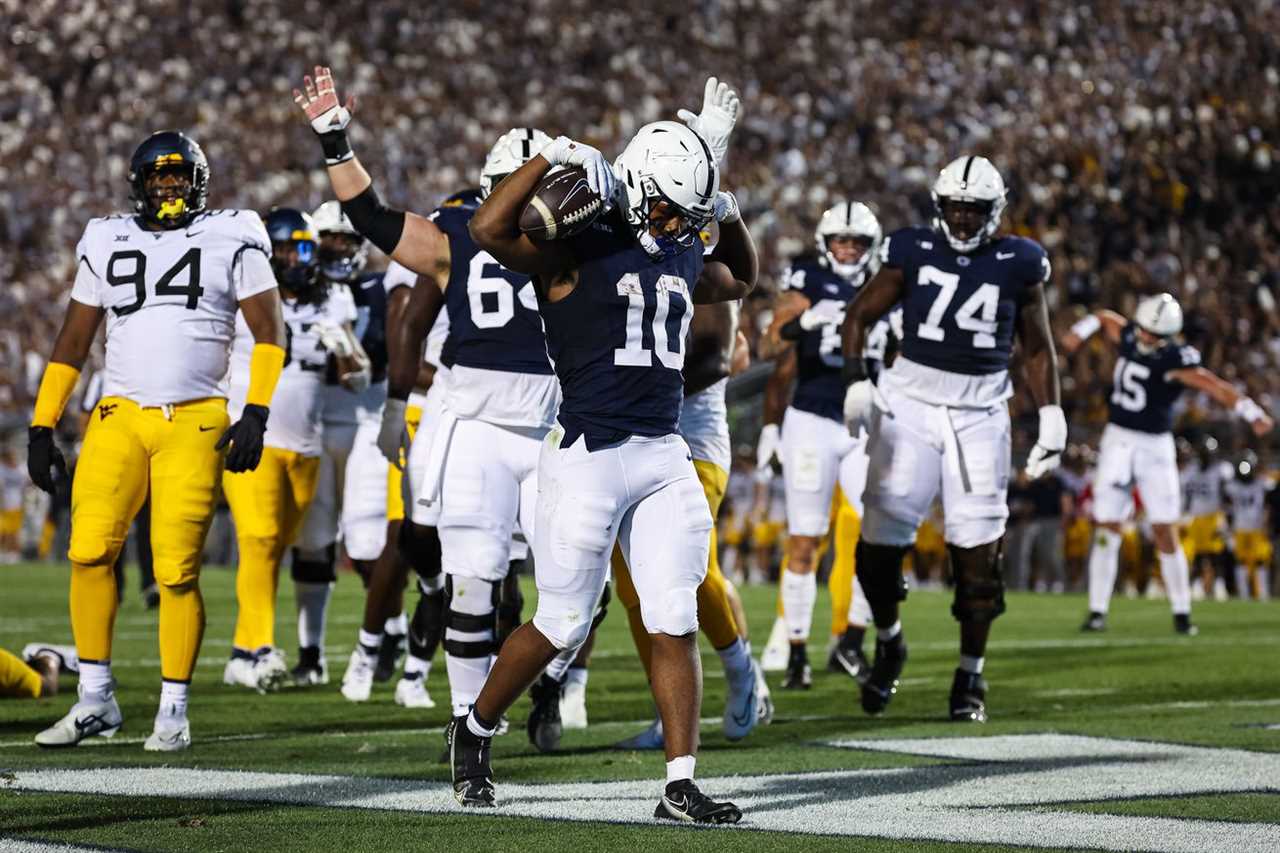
683 802
151 597
311 668
968 697
799 676
390 653
882 682
849 661
1095 622
544 717
1182 625
469 760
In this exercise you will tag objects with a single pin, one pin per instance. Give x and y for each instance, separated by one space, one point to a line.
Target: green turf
1137 681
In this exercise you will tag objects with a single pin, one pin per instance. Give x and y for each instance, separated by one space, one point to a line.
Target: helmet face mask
295 255
168 180
668 182
512 150
343 250
968 200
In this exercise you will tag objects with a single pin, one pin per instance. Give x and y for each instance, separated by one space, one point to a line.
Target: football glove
245 439
45 463
726 207
563 151
328 116
768 447
859 400
1052 440
720 108
334 340
393 435
826 313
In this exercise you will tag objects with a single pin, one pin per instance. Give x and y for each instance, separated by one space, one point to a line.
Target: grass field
1074 755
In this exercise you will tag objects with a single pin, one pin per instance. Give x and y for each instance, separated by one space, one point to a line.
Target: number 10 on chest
671 307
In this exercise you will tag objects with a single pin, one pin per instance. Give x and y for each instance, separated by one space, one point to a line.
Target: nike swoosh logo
1003 256
194 233
207 428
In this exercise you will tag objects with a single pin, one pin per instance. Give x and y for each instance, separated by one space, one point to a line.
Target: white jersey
342 405
12 481
171 299
1203 488
296 406
704 425
1248 503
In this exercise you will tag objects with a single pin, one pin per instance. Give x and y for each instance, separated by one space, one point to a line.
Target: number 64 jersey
171 299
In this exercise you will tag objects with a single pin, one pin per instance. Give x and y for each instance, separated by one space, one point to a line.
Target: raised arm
1111 324
733 267
1225 394
496 225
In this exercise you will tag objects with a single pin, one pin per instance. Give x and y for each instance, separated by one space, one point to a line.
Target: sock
884 635
859 607
558 669
799 594
398 625
1264 584
181 629
93 609
1177 580
369 643
313 604
415 666
1104 564
1242 582
853 635
578 675
477 726
736 661
971 664
95 679
173 700
256 592
431 585
680 767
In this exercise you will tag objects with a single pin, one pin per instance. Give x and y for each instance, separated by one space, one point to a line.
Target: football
561 206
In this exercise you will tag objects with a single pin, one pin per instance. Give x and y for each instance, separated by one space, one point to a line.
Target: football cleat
357 681
850 661
968 697
1182 625
239 672
544 724
742 705
882 682
390 654
1095 621
683 802
799 675
312 668
573 706
774 656
270 670
86 719
650 738
764 704
411 692
469 764
169 736
151 597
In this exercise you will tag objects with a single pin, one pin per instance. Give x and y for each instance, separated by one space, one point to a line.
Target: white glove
357 380
825 313
767 449
1052 440
726 207
720 108
393 435
563 151
325 112
334 340
859 400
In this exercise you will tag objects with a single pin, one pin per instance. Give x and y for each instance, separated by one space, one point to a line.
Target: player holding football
1137 446
939 419
169 280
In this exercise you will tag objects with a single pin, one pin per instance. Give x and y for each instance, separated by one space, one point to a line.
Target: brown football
561 206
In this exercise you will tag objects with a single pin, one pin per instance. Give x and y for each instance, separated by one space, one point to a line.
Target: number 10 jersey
171 299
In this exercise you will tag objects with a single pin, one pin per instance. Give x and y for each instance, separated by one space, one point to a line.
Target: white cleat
412 693
764 700
169 736
270 671
778 650
357 682
239 672
741 706
68 660
650 738
100 718
573 706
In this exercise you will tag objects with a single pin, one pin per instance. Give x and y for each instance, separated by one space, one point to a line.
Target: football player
1137 448
938 418
1247 494
169 280
1203 535
269 503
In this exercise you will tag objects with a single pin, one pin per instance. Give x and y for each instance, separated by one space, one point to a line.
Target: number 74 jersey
171 299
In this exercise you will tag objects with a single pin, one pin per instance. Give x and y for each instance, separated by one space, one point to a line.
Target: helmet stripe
964 179
711 172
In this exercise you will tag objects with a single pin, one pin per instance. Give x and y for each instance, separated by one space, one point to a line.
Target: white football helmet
512 150
1160 315
330 219
969 179
666 161
849 219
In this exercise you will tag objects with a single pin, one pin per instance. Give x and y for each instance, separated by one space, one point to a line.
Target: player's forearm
496 224
349 179
1040 370
404 343
737 251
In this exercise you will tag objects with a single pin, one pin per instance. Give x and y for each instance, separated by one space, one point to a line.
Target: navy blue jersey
618 339
493 312
819 388
371 321
959 310
1142 395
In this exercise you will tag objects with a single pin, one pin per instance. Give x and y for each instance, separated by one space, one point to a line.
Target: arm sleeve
87 287
251 271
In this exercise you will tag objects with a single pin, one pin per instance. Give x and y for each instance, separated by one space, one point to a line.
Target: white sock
313 606
398 625
736 660
369 643
1264 584
466 677
1104 564
467 674
559 666
884 635
431 585
1242 582
578 675
173 700
95 681
971 664
859 607
415 665
799 594
680 767
473 725
1177 580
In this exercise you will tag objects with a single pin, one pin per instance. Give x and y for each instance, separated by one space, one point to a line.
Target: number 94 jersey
1142 395
171 299
819 388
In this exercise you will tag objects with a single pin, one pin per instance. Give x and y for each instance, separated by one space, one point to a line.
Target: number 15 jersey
171 299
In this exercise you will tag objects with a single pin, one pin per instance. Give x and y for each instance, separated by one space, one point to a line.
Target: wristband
1085 327
336 147
854 370
1246 409
56 385
382 225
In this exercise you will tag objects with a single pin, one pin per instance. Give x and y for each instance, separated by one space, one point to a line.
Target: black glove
45 464
245 438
